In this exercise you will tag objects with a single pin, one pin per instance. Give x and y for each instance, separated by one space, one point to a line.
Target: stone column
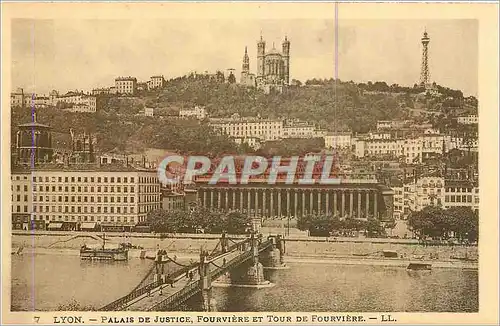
375 199
288 203
226 193
311 204
271 204
303 202
256 210
211 198
205 197
327 202
319 201
359 204
279 202
233 206
264 202
351 202
334 203
295 195
219 195
249 200
241 200
342 208
367 204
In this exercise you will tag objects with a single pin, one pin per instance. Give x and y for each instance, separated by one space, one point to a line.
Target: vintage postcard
249 163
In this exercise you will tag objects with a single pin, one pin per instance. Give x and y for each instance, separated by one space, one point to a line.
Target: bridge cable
216 246
173 261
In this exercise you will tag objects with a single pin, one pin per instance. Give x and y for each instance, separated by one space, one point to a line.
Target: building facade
113 198
337 140
156 82
355 199
467 120
263 129
197 112
126 85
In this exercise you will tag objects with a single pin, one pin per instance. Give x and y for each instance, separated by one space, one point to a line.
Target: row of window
84 199
85 179
59 218
78 209
85 189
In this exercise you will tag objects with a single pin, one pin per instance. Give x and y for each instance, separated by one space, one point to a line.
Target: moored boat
419 266
109 252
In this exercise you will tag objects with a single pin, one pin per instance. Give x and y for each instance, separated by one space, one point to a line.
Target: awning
54 226
88 225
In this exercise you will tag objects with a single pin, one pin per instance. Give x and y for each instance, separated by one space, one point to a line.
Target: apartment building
468 120
338 140
156 82
264 129
197 112
126 85
115 198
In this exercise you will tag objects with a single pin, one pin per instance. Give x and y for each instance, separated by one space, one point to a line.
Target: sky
85 54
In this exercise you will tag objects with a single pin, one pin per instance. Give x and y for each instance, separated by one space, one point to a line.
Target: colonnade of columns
280 202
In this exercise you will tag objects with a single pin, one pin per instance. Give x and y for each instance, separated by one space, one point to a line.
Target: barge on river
105 252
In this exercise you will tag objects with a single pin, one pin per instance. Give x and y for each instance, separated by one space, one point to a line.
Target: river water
47 281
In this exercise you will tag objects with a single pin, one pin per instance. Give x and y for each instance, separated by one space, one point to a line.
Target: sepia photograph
244 164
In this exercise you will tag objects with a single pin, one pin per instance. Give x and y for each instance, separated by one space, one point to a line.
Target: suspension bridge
240 263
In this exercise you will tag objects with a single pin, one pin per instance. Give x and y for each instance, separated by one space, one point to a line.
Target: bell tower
261 52
286 60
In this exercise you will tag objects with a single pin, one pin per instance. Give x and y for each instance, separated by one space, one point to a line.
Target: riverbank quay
188 245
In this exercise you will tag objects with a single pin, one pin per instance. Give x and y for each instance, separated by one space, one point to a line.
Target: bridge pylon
274 258
160 275
208 303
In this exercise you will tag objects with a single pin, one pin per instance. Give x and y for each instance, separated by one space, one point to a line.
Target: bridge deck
148 300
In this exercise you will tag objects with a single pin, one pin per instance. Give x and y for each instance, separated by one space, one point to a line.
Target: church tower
286 60
261 52
245 68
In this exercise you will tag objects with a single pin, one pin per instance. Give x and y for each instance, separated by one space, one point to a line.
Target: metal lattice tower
424 71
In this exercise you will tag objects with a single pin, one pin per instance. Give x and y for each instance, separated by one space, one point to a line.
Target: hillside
332 105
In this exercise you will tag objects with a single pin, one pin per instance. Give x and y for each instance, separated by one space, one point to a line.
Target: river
46 281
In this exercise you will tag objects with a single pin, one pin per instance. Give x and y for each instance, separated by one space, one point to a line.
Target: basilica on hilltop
273 68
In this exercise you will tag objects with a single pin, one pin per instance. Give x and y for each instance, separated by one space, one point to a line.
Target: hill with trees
330 104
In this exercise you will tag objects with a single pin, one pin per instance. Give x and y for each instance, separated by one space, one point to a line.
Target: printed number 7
37 319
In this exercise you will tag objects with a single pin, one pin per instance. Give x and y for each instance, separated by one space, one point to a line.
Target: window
98 179
112 179
25 188
132 179
125 179
105 179
59 179
131 199
105 189
91 199
85 179
91 179
79 179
